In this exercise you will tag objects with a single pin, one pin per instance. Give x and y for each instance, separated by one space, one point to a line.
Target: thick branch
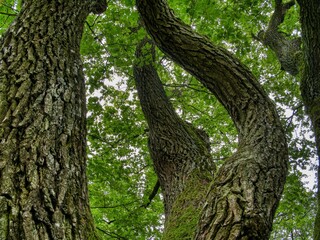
279 13
247 188
287 50
177 148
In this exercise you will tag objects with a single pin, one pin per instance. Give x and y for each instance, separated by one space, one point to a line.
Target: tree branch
112 235
153 194
287 50
173 143
9 14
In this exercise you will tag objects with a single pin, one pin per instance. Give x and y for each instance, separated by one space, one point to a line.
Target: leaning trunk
180 152
43 185
310 82
243 197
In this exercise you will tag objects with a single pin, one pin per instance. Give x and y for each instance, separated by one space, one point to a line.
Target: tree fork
246 190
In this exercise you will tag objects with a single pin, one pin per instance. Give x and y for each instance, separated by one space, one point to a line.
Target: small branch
109 222
9 7
115 206
153 194
135 29
294 112
186 86
95 36
117 141
113 235
288 5
9 14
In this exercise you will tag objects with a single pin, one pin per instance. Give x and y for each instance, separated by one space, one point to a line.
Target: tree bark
180 152
243 197
43 184
310 82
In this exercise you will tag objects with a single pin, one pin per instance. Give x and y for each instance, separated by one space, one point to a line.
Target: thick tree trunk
43 185
310 82
180 152
246 190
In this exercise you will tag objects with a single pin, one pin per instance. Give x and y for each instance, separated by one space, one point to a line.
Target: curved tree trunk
243 197
310 82
43 184
180 152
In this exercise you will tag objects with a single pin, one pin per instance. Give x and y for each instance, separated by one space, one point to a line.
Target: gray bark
243 197
43 184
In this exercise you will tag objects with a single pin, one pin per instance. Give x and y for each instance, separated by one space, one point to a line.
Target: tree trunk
43 184
243 197
310 82
180 152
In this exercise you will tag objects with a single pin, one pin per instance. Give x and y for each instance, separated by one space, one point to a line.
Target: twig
153 194
9 14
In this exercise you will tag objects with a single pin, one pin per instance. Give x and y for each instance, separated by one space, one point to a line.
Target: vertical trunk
310 82
241 201
180 152
43 188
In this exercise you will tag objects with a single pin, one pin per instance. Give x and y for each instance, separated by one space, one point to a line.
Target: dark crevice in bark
243 197
288 51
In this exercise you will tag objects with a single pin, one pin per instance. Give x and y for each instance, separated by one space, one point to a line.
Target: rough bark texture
43 188
180 152
243 197
287 50
310 82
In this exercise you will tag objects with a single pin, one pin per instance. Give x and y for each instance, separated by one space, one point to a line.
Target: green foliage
8 10
296 212
121 176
